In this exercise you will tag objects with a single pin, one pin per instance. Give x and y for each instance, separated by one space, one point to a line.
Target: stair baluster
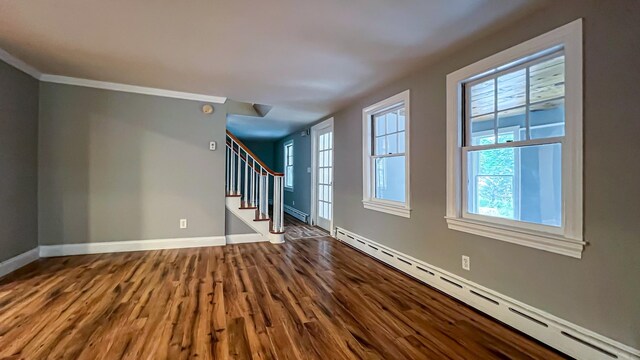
253 184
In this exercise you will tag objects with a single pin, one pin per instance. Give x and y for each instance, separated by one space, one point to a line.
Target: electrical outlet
183 223
293 203
466 262
212 146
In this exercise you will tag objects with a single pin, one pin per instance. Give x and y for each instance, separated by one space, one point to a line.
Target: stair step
262 219
229 195
248 207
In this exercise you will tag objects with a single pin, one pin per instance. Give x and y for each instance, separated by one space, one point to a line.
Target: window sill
542 241
387 208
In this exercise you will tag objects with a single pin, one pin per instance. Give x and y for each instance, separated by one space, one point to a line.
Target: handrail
244 158
246 149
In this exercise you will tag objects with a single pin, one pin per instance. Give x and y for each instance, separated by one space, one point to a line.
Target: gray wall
234 226
118 166
300 197
601 291
18 162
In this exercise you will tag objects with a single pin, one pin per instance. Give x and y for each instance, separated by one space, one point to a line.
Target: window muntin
389 154
288 165
512 149
325 176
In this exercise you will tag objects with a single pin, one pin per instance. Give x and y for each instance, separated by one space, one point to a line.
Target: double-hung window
288 165
515 144
386 156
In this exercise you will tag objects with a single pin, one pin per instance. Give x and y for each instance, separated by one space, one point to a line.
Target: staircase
250 185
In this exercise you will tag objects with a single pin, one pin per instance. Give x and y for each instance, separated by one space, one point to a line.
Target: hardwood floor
312 298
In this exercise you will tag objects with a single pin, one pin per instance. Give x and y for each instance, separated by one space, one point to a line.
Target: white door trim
313 219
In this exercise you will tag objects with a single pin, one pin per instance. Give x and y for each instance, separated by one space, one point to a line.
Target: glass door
324 176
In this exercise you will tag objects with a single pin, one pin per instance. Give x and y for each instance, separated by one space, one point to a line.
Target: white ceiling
306 58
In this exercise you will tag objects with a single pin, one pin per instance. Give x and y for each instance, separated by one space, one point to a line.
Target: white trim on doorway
313 219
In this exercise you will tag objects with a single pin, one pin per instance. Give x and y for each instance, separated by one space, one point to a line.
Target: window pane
512 125
401 142
482 130
379 125
521 183
392 144
392 122
482 98
512 89
547 119
546 80
390 178
288 176
380 147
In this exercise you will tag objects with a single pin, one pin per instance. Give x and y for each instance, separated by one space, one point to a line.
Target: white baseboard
18 261
304 217
245 238
567 337
133 245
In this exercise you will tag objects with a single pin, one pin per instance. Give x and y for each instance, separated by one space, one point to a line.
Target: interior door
324 177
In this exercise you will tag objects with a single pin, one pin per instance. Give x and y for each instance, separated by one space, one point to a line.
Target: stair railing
250 179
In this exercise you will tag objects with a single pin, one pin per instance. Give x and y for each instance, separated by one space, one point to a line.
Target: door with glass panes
324 177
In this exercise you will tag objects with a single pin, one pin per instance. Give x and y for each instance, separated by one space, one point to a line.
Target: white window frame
516 177
286 163
568 240
369 200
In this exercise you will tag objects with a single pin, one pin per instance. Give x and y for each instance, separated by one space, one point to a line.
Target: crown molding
58 79
19 64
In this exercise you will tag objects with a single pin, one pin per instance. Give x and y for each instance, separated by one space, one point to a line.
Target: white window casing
568 238
369 199
289 160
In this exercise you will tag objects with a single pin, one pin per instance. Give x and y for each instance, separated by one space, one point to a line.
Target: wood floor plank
310 298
